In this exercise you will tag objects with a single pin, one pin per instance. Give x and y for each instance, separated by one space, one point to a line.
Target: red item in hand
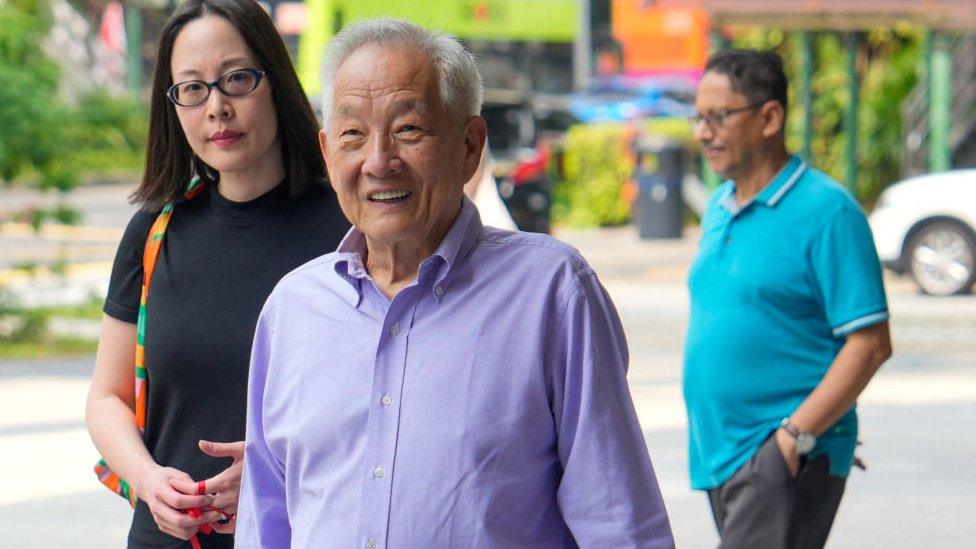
196 512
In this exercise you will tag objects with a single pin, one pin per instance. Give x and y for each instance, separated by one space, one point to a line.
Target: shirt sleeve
848 273
262 515
125 285
608 493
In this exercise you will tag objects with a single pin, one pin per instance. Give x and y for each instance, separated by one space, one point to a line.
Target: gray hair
457 72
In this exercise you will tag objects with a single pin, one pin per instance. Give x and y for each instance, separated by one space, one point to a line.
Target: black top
218 263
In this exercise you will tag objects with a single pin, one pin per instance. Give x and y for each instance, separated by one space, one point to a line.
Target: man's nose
382 158
702 131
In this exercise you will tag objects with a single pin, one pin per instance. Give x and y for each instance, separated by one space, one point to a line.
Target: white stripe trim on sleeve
859 323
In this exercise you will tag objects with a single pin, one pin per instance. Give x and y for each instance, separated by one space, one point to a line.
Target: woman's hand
169 506
226 486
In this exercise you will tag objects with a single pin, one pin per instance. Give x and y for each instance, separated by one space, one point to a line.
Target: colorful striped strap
154 242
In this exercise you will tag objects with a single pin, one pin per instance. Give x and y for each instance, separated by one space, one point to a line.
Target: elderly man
788 319
436 383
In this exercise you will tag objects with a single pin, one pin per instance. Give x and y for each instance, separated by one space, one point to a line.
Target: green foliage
829 100
18 325
25 333
889 61
32 117
108 133
55 347
596 163
894 60
44 141
37 217
89 310
675 129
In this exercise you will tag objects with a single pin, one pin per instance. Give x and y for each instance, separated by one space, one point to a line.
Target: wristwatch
803 441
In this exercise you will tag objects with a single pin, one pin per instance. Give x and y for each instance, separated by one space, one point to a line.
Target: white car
926 226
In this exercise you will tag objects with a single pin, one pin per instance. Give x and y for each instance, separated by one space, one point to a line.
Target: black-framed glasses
716 119
195 92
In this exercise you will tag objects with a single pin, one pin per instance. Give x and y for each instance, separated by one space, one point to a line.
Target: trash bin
660 205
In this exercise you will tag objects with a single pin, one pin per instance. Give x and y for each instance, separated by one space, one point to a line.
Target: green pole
940 104
717 40
805 47
927 52
850 113
133 38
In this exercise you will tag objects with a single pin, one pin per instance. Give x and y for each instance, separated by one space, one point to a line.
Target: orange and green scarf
154 242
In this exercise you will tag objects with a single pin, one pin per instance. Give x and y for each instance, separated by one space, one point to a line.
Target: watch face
805 443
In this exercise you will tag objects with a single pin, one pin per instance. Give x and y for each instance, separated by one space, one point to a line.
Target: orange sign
658 39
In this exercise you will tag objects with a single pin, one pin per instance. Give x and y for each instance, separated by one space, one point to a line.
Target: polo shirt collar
774 191
450 253
782 183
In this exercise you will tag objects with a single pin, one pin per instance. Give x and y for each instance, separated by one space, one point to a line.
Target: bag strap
154 242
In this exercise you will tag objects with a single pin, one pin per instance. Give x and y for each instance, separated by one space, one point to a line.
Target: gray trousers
761 506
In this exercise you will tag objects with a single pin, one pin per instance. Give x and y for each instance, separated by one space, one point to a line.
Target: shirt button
378 472
438 291
395 330
387 400
370 544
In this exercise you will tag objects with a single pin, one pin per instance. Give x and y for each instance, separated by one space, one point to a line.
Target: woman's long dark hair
170 163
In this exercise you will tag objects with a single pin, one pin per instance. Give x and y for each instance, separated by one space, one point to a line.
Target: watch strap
787 426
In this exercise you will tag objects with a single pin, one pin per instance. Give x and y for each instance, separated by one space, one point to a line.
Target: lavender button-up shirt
486 405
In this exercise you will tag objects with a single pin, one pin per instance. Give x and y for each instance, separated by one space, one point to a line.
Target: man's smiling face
396 158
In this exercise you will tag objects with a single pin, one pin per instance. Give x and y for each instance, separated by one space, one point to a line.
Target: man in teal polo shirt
789 320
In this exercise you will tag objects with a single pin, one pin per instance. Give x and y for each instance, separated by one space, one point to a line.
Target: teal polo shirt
776 287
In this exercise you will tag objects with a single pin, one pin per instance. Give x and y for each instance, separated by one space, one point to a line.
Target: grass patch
56 347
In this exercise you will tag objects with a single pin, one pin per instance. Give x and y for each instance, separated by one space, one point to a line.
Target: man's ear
774 118
324 144
475 135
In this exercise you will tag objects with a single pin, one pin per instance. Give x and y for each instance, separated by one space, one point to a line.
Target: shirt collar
773 192
458 241
450 253
783 182
349 265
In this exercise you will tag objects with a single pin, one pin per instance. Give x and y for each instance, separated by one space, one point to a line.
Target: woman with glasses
233 197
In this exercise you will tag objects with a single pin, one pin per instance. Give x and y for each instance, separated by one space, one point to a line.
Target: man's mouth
389 197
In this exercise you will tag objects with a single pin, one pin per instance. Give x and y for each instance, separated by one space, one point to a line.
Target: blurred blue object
625 98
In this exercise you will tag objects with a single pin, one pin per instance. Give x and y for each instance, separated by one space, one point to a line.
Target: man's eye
350 133
408 128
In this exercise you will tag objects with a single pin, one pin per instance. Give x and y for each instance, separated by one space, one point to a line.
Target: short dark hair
170 163
758 75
